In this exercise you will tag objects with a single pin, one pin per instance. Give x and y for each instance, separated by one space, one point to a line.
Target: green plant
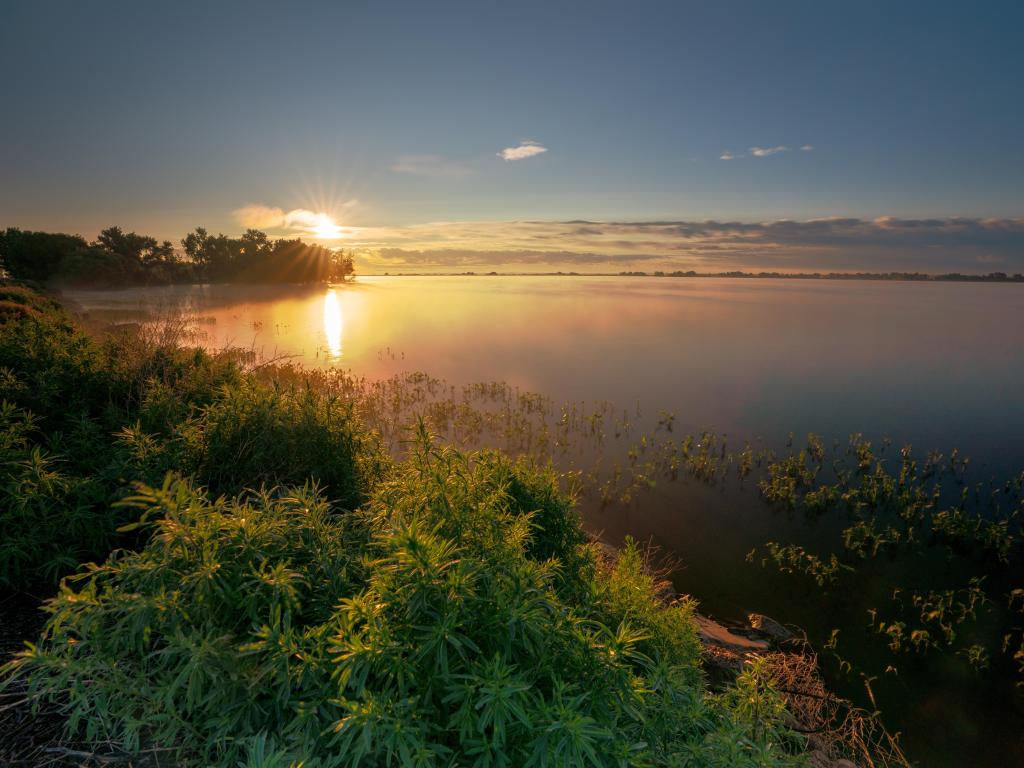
436 625
85 416
253 434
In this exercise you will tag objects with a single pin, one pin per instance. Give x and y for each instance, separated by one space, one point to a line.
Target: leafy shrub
427 628
628 595
253 435
87 416
58 369
50 520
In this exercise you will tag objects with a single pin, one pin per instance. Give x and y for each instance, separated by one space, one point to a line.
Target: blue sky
389 116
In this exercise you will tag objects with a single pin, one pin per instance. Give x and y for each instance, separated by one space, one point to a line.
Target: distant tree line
991 277
118 258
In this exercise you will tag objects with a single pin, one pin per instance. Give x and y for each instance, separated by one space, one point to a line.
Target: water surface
934 364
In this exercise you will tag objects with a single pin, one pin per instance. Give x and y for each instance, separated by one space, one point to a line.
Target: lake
936 365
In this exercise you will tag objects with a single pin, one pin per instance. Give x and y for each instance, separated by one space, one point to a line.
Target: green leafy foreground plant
83 417
457 618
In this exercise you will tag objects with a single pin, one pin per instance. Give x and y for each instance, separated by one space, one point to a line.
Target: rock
769 627
712 633
665 592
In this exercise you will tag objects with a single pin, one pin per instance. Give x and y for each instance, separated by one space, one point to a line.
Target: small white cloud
765 151
727 155
806 147
524 150
429 165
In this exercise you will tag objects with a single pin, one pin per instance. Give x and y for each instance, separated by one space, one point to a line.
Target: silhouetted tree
127 258
37 255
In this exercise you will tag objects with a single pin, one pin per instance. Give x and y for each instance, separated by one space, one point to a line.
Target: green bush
427 628
50 520
253 435
86 416
56 371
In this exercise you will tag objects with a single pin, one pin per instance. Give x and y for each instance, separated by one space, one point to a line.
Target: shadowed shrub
50 520
253 435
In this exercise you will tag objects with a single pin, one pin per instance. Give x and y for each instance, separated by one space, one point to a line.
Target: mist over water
932 364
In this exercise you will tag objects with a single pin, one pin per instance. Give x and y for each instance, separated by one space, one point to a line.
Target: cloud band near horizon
884 244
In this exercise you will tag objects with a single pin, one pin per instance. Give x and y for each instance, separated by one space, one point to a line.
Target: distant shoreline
917 277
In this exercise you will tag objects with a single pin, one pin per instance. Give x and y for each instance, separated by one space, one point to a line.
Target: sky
594 136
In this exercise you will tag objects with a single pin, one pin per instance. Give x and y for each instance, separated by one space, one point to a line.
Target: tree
36 255
343 266
194 245
128 258
126 244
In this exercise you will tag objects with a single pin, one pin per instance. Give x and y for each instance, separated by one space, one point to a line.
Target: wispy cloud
525 149
840 244
430 165
761 152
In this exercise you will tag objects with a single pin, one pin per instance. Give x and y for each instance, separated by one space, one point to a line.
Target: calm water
935 365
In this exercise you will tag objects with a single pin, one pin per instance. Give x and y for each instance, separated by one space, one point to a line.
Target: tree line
118 258
991 277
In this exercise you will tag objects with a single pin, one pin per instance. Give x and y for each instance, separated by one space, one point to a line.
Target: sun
325 228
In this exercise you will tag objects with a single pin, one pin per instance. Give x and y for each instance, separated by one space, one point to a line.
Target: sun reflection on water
333 323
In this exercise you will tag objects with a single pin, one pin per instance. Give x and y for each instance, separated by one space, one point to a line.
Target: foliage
429 627
254 257
253 434
83 417
899 512
119 258
49 520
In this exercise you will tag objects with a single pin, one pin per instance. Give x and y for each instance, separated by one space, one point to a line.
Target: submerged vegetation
906 510
278 582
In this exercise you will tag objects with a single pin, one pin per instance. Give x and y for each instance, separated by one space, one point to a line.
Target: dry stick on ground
836 729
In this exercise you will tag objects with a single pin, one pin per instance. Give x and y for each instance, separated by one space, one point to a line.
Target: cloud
297 220
429 165
525 149
456 257
761 152
841 244
259 216
303 219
